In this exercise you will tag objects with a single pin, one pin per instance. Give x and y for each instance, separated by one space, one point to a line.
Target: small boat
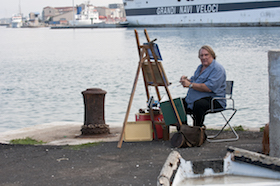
202 12
17 21
88 16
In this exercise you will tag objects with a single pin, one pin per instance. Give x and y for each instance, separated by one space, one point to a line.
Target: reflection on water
44 71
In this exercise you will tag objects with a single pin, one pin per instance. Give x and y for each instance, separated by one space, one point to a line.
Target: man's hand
185 81
196 86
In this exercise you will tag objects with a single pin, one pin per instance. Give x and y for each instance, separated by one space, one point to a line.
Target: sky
10 7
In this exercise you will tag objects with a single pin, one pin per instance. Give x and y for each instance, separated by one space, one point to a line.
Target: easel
153 75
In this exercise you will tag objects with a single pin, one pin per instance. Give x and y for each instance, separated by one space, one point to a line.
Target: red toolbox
146 117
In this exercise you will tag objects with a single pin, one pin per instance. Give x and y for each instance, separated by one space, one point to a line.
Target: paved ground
137 163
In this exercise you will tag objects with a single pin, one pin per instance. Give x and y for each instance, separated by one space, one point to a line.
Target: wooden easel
152 70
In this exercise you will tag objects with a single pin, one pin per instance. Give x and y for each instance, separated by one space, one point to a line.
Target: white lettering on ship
166 10
210 8
185 10
206 8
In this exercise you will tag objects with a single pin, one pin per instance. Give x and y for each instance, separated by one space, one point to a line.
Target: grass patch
26 141
211 128
239 128
82 146
236 128
261 129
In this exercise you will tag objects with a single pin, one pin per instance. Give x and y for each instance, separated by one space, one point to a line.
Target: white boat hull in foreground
239 167
202 12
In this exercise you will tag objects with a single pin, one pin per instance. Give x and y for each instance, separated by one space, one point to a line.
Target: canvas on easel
156 50
148 74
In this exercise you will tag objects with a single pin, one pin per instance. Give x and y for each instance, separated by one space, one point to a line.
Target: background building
51 14
34 18
62 15
112 13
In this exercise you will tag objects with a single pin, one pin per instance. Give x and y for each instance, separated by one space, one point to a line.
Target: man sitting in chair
208 81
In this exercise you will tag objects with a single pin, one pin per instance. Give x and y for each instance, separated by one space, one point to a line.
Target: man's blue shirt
214 77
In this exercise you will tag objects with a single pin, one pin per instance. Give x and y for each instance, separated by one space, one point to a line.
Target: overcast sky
10 7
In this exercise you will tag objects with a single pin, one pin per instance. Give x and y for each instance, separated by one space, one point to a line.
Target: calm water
44 71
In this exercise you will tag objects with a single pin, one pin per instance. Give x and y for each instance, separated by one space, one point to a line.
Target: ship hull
202 13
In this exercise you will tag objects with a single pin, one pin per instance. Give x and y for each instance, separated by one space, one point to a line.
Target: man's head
206 55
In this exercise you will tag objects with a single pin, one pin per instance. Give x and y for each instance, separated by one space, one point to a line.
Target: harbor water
43 71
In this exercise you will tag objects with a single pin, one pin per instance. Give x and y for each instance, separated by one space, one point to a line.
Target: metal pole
73 13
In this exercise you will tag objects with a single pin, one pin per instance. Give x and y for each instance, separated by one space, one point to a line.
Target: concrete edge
59 133
254 158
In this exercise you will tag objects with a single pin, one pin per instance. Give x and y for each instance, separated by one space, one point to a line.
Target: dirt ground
136 163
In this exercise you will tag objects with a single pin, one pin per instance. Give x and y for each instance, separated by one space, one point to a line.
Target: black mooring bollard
94 122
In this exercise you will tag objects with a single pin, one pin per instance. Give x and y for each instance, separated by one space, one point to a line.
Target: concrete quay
96 25
136 163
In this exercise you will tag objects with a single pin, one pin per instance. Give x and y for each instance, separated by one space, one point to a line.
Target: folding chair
229 87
